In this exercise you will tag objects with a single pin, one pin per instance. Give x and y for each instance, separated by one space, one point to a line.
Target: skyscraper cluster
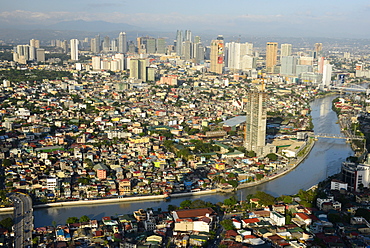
32 52
188 48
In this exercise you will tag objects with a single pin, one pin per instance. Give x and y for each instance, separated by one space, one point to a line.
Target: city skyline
328 19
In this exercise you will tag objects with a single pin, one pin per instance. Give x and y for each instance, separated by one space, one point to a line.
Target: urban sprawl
107 119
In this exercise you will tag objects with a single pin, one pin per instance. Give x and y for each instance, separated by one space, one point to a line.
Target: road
23 219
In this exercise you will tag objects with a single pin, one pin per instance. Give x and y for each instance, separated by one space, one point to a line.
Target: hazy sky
295 17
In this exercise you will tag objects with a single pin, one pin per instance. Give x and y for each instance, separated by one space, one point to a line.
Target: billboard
220 53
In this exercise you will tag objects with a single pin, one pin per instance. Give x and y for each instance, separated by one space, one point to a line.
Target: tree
227 224
265 199
84 218
7 223
272 156
251 154
72 220
185 204
230 201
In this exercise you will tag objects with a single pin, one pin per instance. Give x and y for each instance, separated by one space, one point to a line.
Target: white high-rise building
96 63
236 53
74 49
122 43
286 50
326 76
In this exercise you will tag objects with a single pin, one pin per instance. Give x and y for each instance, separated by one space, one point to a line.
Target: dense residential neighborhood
110 126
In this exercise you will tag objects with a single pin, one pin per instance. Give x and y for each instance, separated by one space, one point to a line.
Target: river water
324 160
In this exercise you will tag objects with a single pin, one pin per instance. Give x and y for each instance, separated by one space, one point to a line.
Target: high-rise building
188 35
187 50
40 55
271 56
96 64
106 44
74 49
255 126
161 45
217 55
35 43
326 76
288 65
317 50
138 69
179 40
122 43
286 50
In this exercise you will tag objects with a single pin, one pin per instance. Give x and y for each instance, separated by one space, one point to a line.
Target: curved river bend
324 160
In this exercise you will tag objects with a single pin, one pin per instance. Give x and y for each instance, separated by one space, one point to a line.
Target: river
324 160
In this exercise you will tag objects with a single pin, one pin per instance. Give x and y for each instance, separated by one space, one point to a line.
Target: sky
329 18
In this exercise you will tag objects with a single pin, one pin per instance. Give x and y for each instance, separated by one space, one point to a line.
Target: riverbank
291 166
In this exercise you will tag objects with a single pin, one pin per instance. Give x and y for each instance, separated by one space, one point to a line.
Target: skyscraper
255 126
74 49
286 50
288 65
179 40
217 55
326 76
138 69
317 50
122 43
271 56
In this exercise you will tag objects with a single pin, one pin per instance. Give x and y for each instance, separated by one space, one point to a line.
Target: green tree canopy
84 218
227 224
72 220
265 199
7 223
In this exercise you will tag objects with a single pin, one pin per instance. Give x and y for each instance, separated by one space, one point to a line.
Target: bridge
338 136
350 88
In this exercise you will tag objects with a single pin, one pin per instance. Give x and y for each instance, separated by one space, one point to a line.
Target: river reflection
324 160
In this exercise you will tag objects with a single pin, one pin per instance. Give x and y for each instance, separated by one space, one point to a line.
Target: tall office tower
35 43
179 40
74 49
96 64
114 45
198 53
40 55
288 65
21 54
286 50
271 56
149 44
32 55
97 43
106 44
217 55
255 126
188 35
326 76
64 46
317 50
138 69
161 45
187 50
132 48
122 43
322 61
93 45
